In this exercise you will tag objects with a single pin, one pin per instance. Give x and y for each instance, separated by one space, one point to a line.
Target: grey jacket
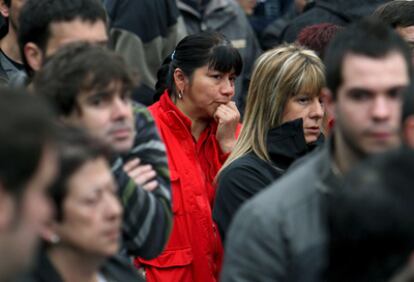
280 235
226 17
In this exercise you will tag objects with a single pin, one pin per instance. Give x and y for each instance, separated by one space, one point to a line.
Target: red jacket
194 251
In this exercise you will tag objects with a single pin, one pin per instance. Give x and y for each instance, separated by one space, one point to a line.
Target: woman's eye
303 100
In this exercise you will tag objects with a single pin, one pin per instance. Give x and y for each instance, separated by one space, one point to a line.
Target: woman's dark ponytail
164 78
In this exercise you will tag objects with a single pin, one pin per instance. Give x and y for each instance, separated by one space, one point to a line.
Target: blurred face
368 103
248 6
107 115
18 240
62 33
310 110
206 90
12 12
91 211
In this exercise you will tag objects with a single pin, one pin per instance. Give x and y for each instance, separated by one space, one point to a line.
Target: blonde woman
283 121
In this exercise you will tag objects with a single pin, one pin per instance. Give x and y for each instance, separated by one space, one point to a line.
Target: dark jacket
157 26
339 12
115 269
281 234
249 174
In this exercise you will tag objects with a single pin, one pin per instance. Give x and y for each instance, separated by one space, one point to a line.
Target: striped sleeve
147 215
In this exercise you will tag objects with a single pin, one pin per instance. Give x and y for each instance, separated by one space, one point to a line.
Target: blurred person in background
83 238
158 27
28 165
11 66
371 227
283 122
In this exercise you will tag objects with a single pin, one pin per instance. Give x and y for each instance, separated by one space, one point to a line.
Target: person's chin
122 147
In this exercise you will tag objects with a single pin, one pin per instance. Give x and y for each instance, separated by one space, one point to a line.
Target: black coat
115 269
339 12
248 175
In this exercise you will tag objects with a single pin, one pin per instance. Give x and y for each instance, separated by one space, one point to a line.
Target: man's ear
408 131
4 10
329 102
7 208
33 55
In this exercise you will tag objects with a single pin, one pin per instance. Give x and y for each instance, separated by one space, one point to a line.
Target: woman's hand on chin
228 117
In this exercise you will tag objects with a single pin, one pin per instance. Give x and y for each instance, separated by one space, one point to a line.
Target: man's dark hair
26 128
396 13
8 3
79 67
367 37
37 16
371 222
76 148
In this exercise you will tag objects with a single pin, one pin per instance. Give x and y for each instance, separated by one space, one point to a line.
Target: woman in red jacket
198 122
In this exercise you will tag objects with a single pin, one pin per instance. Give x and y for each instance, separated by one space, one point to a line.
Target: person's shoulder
292 189
120 269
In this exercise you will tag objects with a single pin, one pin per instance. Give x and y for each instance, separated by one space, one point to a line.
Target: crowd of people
204 141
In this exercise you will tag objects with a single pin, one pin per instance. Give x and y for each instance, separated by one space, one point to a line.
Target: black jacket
115 269
339 12
249 174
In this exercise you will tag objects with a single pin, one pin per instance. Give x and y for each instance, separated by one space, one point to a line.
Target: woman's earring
180 94
54 239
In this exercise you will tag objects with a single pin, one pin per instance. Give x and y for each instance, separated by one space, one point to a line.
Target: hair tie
172 55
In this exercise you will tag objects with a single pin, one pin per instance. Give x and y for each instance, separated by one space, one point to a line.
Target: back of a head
37 16
79 67
317 37
26 128
397 13
368 37
370 220
195 51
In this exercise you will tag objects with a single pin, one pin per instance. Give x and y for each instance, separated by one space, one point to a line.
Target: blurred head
27 167
373 209
317 37
285 85
90 87
248 6
201 72
46 25
10 10
88 212
399 15
367 67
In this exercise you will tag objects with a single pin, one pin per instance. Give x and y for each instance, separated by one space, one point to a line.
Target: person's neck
10 47
198 124
345 158
73 265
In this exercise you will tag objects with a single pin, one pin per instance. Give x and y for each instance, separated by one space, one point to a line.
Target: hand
227 117
143 175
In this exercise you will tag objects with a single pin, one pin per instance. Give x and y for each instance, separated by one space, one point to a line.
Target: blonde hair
278 75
